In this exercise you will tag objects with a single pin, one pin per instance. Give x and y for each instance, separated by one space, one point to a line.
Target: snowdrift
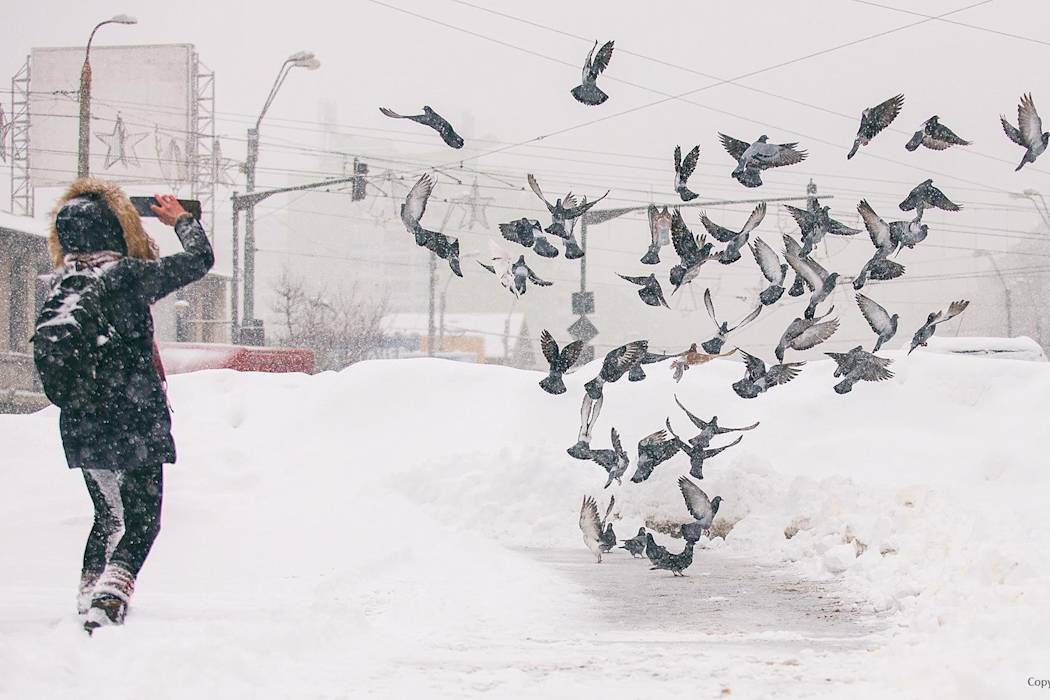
320 530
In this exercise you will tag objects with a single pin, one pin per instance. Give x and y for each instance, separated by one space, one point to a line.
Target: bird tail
853 151
572 250
1023 161
553 384
844 386
686 194
391 113
713 346
652 256
589 94
771 295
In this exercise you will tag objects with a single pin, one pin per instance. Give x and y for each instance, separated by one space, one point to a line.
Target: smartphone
142 206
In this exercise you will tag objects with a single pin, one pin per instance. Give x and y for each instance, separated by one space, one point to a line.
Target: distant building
472 337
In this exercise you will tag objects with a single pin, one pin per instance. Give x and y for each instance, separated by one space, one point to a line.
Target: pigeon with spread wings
805 333
595 530
753 158
734 240
514 275
617 363
432 119
588 91
651 292
563 210
758 378
692 252
683 169
875 119
1028 133
615 461
709 429
925 194
935 136
412 211
882 323
653 450
560 361
714 345
698 454
772 269
812 273
702 508
815 222
926 331
858 365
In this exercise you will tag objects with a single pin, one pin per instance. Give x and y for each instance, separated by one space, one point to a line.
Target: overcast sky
504 82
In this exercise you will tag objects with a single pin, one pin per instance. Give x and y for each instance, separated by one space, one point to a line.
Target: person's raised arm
162 277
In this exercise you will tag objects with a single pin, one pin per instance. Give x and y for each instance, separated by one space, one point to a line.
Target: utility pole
84 134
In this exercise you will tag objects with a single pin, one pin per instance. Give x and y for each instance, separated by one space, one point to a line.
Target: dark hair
85 224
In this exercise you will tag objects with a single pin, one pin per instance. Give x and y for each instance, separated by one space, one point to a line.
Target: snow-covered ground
409 527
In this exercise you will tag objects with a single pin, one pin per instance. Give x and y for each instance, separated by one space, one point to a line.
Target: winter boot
86 591
109 605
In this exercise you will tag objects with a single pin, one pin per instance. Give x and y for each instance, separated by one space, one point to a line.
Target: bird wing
878 229
782 374
590 524
587 74
601 59
688 165
615 436
1028 121
569 355
805 219
803 267
872 368
710 306
536 280
634 280
678 160
840 229
550 348
723 448
734 147
882 115
875 314
608 511
954 309
755 366
539 193
696 501
755 219
1012 132
720 233
683 239
747 319
942 137
682 444
699 423
940 200
768 261
572 211
391 113
785 154
490 268
632 352
416 200
815 335
654 231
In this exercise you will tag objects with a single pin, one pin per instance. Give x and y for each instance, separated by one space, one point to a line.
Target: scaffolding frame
203 163
21 187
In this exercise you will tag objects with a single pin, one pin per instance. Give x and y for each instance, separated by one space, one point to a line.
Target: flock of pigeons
888 237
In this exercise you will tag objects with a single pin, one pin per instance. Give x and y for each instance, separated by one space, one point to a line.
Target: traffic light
358 190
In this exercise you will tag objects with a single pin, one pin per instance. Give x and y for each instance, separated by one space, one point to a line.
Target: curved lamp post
84 149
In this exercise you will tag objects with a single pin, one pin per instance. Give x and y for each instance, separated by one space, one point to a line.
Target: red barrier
180 358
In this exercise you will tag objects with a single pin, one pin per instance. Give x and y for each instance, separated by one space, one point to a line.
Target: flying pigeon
752 159
635 545
651 292
653 450
560 361
926 331
616 364
714 345
926 195
878 268
858 365
698 454
691 357
935 136
812 273
675 563
709 429
659 234
544 249
637 372
412 211
814 222
683 169
432 119
875 119
758 378
608 538
522 231
806 333
702 508
735 240
591 527
614 461
653 551
882 323
889 238
588 91
692 252
1028 132
562 210
772 269
514 275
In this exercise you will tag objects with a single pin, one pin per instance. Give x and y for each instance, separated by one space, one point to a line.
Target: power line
950 21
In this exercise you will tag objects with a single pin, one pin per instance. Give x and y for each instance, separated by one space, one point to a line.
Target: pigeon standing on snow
815 222
432 119
858 365
758 378
734 240
926 331
812 273
935 136
653 551
513 275
692 252
588 91
698 454
521 231
561 211
675 563
882 323
659 234
635 545
653 450
651 292
683 169
714 345
616 364
595 530
875 119
412 211
806 333
926 195
1029 131
614 461
772 269
560 361
753 158
702 508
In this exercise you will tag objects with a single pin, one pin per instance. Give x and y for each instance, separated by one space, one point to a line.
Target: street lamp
84 149
255 334
1030 194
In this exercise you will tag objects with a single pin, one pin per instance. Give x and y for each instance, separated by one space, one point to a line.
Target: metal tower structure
203 156
21 187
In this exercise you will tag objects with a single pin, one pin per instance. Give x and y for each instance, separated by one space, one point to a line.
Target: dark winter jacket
126 424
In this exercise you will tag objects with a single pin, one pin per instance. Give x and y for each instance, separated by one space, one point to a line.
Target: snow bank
342 522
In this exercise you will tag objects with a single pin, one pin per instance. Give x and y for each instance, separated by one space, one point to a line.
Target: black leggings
127 517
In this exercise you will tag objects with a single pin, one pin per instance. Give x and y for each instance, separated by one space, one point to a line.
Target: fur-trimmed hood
139 244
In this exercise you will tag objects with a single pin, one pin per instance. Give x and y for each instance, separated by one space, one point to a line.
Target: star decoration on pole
223 165
172 163
120 145
475 206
